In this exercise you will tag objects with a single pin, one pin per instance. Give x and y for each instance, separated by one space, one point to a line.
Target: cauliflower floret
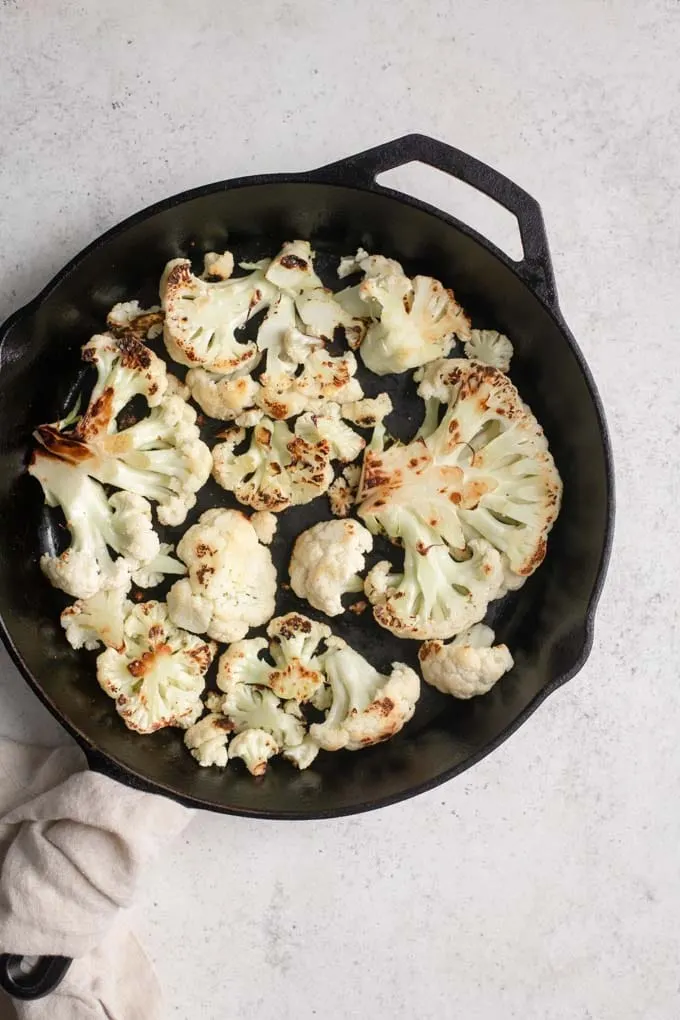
232 580
224 397
292 270
326 563
369 412
218 266
280 469
469 666
489 347
265 525
97 620
345 445
207 740
97 525
128 319
293 643
153 572
157 679
296 672
484 471
303 755
435 596
125 368
367 706
324 378
255 748
201 317
370 265
258 708
418 321
342 493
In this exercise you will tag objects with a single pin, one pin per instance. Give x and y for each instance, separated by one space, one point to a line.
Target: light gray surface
544 883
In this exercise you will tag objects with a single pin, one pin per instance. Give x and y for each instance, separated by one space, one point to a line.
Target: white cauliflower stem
467 667
232 581
367 707
326 563
158 677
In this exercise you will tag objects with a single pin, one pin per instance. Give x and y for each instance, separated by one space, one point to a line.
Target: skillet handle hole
488 217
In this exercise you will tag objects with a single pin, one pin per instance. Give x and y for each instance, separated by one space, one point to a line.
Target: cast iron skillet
548 624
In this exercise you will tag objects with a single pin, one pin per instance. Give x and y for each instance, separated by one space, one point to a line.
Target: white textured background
545 883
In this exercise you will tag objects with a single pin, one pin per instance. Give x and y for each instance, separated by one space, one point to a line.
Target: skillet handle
43 977
536 266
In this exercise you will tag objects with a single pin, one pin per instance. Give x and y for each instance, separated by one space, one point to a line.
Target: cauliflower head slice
127 318
296 671
345 445
97 525
249 707
281 468
343 491
322 314
292 270
485 471
255 747
201 316
417 321
293 645
367 707
435 596
224 397
207 740
327 561
470 665
231 585
99 620
490 348
126 368
369 412
158 677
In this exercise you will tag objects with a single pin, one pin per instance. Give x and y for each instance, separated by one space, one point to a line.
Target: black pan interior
546 624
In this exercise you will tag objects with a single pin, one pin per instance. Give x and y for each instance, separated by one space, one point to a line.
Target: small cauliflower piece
158 677
322 313
292 270
367 706
328 378
435 596
232 580
489 347
98 620
467 667
303 755
293 643
126 368
153 572
327 561
128 319
201 317
250 707
224 397
345 445
417 321
369 265
342 493
121 523
265 525
255 748
369 412
280 469
218 266
296 672
207 740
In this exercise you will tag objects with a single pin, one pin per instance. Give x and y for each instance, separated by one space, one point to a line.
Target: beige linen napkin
74 846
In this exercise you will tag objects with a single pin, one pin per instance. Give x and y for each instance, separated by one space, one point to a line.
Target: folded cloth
74 846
